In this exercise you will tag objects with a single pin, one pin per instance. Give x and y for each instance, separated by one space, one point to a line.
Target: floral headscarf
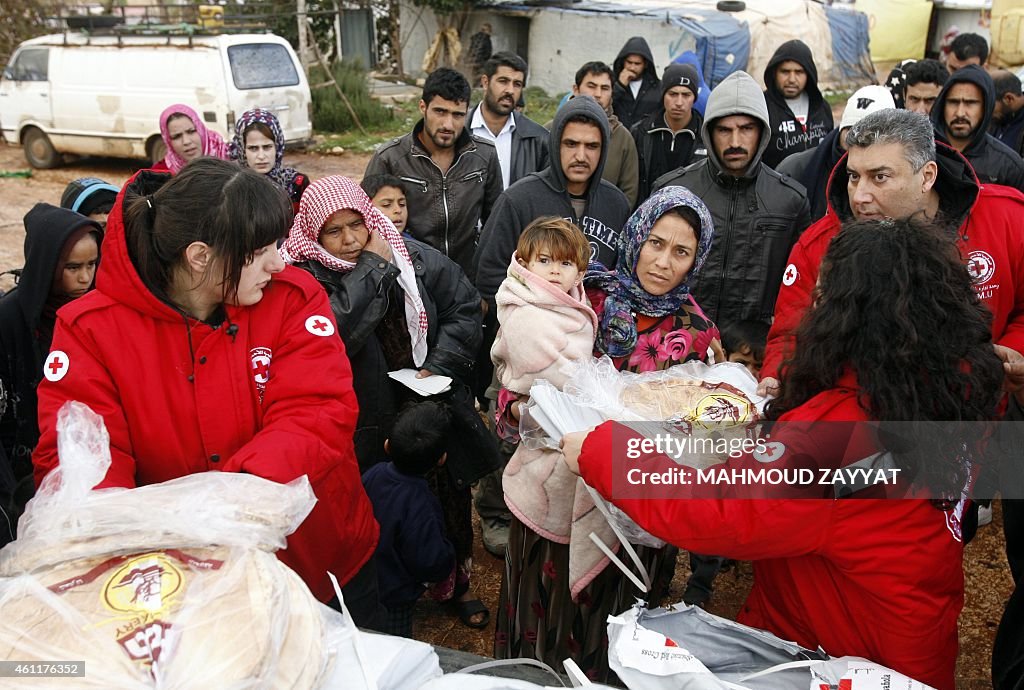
283 177
323 199
212 143
617 335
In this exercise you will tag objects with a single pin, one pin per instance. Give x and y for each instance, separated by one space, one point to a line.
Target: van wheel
731 6
38 150
156 150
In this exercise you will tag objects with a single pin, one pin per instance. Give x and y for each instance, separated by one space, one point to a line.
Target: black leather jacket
446 210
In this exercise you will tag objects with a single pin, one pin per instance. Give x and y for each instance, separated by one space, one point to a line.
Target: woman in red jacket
896 334
203 352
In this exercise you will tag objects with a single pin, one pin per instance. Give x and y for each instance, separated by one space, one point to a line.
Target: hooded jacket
545 194
984 220
660 150
758 215
25 333
445 209
627 108
1011 131
270 395
992 160
812 168
788 135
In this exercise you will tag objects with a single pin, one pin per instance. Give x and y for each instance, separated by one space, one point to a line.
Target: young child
546 320
413 548
743 342
388 194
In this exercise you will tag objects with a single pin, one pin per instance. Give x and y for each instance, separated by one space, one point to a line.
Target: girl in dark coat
62 250
400 304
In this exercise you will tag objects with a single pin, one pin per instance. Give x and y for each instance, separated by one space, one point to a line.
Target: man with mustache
758 213
800 115
571 187
452 178
961 117
522 144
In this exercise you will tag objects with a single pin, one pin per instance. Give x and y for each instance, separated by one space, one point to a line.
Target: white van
103 95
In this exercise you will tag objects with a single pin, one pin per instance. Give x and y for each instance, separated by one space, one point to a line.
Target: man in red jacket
894 169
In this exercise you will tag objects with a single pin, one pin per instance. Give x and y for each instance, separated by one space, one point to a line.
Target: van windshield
261 66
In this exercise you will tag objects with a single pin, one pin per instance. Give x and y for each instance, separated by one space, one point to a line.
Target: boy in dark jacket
800 116
413 548
61 254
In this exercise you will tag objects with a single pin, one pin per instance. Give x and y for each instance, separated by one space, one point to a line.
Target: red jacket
989 237
129 356
881 579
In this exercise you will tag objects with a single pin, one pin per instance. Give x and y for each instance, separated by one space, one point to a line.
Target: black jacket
359 300
1011 132
445 210
25 333
812 168
788 135
529 146
628 109
993 161
660 151
758 216
545 194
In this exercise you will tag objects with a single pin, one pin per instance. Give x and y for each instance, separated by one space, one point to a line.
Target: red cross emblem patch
773 450
320 325
260 366
790 275
981 266
56 366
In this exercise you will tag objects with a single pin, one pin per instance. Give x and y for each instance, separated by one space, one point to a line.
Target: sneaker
984 515
494 534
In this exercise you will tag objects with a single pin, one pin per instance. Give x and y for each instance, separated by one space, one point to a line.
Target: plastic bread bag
172 585
67 519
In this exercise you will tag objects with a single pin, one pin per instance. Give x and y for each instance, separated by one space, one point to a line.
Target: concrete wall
557 42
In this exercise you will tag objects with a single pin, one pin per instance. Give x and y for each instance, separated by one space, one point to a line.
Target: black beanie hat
680 75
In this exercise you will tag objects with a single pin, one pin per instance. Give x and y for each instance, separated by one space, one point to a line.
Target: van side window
261 66
31 64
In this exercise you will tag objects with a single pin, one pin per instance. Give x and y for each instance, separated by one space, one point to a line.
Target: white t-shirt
800 105
634 86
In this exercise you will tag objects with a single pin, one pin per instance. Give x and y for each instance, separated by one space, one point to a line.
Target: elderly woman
400 304
259 144
186 139
556 596
874 578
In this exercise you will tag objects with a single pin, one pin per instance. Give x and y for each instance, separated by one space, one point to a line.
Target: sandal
467 609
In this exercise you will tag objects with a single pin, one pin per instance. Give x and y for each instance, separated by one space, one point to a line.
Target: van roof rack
161 19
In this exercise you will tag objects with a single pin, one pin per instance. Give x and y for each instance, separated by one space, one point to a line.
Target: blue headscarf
625 296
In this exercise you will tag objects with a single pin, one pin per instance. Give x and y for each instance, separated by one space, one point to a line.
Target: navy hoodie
788 135
993 161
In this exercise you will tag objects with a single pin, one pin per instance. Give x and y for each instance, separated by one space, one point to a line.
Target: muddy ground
987 578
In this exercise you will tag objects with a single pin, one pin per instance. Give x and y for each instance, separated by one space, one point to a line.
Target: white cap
865 101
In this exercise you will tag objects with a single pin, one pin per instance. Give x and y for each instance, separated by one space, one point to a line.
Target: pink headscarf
213 144
323 199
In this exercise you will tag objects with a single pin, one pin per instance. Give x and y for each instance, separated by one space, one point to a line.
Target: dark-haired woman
896 334
204 352
259 144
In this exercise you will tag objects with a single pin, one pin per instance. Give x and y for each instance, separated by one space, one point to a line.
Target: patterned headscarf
323 199
283 177
616 335
211 142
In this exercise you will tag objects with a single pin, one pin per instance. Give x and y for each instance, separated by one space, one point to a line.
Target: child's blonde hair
560 237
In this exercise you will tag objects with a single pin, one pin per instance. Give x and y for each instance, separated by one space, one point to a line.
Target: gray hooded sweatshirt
758 214
544 193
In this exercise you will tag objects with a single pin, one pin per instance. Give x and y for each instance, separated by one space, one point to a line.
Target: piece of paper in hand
431 385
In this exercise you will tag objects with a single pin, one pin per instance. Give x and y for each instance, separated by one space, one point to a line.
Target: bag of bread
171 585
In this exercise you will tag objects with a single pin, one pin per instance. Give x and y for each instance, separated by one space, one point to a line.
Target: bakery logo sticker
772 451
790 275
260 367
319 325
146 643
143 585
722 409
56 366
